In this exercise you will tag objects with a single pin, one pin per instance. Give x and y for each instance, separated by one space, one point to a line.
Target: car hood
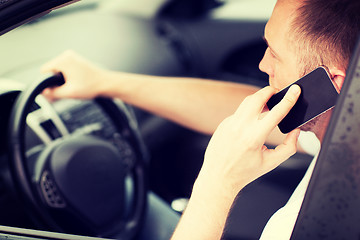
14 13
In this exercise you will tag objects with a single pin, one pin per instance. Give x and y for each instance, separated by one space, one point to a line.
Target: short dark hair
326 32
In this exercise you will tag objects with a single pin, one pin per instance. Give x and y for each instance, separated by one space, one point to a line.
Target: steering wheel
81 184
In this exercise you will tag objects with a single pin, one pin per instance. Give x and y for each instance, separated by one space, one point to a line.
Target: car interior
40 189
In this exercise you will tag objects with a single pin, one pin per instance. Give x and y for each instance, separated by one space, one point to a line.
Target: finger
277 113
50 67
47 93
53 93
255 103
274 157
55 65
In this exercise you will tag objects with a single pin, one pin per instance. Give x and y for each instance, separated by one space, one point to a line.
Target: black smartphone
318 95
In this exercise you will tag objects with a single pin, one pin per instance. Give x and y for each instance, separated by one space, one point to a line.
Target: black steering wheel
81 184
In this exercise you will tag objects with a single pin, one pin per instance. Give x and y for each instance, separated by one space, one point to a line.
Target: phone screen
318 94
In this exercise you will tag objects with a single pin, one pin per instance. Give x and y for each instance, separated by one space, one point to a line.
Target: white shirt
281 224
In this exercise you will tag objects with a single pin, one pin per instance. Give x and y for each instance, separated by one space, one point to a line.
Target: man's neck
321 127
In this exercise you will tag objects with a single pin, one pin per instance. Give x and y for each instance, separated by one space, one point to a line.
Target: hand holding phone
318 95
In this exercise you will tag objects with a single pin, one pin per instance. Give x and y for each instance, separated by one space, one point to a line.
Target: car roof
14 13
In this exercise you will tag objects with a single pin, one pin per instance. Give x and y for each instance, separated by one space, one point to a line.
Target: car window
331 206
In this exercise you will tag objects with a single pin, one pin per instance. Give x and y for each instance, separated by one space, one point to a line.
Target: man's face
280 60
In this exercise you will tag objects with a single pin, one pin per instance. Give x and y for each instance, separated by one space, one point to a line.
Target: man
301 35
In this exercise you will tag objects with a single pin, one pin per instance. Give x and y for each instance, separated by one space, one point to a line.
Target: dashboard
50 121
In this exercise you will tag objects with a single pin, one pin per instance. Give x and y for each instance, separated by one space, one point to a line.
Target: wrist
224 184
119 84
207 211
106 83
207 187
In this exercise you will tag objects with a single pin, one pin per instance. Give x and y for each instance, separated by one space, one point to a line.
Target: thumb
53 93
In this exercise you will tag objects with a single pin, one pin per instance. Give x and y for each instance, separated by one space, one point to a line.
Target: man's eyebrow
272 50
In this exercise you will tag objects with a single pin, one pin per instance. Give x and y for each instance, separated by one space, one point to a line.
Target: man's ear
338 77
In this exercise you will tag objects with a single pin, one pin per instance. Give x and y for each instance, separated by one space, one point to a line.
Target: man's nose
265 65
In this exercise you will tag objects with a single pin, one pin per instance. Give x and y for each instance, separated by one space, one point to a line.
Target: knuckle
289 100
270 89
68 55
250 142
291 150
248 99
68 52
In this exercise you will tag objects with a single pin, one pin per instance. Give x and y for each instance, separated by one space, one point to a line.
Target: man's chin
310 126
318 123
307 127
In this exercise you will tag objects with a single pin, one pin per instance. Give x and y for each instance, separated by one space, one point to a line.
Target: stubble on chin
311 125
317 124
